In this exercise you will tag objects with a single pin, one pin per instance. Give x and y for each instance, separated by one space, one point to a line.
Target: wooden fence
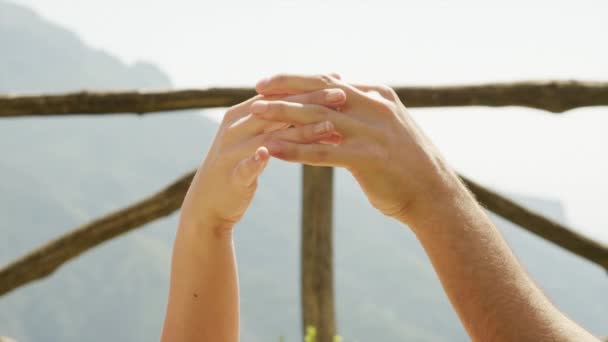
317 195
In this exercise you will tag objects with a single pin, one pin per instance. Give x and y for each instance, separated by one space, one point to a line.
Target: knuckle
387 92
386 107
230 115
326 80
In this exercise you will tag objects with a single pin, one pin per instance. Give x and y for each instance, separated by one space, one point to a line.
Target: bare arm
203 303
493 295
203 299
405 177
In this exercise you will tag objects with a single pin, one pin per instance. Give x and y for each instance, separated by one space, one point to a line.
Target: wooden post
317 252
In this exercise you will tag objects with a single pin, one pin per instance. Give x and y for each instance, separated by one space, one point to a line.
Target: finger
332 97
288 84
248 169
334 139
238 111
311 154
321 131
302 114
295 84
253 125
335 75
384 91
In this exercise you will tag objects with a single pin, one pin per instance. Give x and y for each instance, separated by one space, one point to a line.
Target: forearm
203 296
493 295
397 165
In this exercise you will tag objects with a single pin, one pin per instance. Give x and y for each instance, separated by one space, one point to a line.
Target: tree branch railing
552 96
44 260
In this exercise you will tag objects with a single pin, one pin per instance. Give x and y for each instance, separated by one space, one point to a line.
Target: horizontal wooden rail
46 259
552 96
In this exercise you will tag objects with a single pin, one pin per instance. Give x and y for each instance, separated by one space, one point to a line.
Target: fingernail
263 83
335 138
334 95
260 153
259 107
323 127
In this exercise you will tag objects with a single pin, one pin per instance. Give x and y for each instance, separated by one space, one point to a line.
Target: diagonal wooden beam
44 260
537 224
49 257
552 96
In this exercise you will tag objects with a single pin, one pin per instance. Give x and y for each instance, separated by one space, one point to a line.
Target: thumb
248 169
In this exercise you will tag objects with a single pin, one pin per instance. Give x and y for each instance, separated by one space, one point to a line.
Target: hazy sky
202 43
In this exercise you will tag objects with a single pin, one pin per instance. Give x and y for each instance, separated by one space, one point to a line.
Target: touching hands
319 120
226 181
397 166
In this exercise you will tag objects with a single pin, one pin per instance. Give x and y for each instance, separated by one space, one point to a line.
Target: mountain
49 58
56 173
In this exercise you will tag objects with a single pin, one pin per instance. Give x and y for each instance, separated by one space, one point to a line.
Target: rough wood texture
317 254
553 96
120 102
46 259
543 227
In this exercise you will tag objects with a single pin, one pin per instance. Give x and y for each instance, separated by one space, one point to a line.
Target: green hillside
60 172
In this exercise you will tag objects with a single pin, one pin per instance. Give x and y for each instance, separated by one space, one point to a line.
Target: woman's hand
394 162
225 183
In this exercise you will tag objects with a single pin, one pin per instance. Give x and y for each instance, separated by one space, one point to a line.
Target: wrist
206 223
443 194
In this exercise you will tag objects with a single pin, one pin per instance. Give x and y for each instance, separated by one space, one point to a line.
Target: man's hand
396 165
405 177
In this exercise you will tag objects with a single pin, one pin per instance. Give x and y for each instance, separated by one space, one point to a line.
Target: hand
394 162
226 181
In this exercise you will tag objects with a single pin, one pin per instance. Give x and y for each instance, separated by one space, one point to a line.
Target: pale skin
403 175
203 302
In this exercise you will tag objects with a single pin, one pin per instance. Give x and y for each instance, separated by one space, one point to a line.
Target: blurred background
57 173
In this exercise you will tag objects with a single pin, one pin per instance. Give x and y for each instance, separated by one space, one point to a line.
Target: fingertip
335 96
248 169
261 154
262 85
335 75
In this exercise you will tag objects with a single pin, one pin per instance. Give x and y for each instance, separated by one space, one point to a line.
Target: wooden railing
317 268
